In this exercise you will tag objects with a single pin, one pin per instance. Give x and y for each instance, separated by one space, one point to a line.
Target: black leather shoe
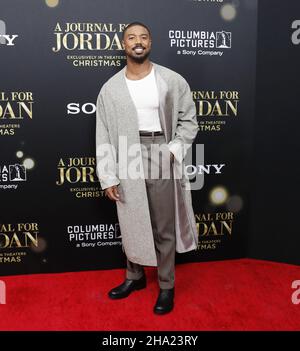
165 301
127 287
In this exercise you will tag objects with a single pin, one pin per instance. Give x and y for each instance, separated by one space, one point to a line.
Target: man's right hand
112 193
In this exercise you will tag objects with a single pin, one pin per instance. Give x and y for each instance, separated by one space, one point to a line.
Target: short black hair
135 24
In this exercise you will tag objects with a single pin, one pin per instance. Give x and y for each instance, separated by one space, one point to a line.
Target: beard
139 58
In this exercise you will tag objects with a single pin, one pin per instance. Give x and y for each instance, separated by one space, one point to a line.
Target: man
143 105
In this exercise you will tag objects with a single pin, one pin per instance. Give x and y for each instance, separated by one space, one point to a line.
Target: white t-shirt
144 94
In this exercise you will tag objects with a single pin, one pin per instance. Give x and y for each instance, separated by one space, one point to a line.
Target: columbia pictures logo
223 40
13 173
6 39
17 173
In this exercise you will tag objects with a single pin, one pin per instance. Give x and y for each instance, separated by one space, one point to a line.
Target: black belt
146 133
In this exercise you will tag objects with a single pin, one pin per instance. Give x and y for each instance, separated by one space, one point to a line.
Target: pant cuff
166 285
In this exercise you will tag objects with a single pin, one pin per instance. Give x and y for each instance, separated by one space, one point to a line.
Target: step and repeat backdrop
55 56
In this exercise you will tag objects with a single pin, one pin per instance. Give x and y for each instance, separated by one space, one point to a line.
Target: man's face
137 43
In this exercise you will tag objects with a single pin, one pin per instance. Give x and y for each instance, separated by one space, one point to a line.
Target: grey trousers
160 193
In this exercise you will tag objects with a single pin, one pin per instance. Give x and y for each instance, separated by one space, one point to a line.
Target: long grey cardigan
116 116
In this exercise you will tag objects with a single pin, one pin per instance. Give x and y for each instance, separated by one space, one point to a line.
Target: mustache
138 46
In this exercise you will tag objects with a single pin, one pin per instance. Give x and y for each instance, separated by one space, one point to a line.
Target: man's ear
123 43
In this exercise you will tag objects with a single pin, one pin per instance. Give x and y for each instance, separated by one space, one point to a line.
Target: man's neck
136 70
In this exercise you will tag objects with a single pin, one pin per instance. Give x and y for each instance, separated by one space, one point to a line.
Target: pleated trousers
159 180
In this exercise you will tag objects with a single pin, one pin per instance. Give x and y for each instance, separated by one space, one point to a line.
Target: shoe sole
163 312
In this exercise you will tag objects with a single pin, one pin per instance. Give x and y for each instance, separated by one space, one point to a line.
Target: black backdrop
54 216
275 170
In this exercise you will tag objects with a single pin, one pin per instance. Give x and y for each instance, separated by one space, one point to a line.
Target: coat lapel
165 108
128 106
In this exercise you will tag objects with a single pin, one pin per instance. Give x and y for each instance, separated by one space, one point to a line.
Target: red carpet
224 295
